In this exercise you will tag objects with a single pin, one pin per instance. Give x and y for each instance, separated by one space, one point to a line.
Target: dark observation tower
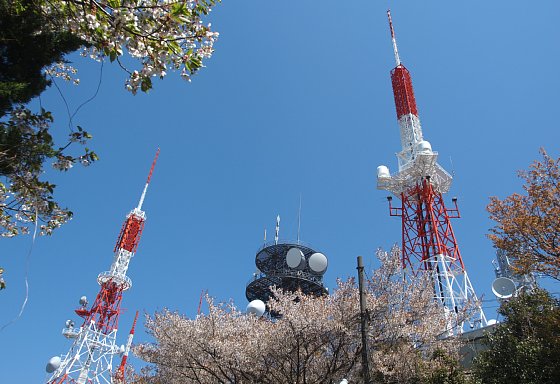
290 266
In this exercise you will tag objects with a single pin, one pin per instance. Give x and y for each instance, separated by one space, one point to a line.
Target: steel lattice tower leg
429 246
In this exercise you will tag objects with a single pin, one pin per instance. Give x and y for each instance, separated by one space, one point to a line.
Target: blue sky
296 100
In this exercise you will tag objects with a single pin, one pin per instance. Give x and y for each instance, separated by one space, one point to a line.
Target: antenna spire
121 370
393 39
148 181
277 229
299 219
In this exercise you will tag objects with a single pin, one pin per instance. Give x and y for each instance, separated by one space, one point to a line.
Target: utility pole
363 320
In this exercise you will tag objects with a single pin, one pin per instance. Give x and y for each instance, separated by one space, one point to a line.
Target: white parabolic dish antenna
318 263
256 307
294 258
53 364
503 288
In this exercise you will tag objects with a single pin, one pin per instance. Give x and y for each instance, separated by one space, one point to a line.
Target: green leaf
114 3
174 46
146 84
178 9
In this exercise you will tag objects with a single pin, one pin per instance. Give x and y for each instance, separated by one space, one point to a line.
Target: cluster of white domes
421 148
288 262
317 262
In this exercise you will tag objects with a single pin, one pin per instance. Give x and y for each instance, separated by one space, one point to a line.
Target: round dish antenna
256 307
83 301
53 364
295 258
318 263
503 288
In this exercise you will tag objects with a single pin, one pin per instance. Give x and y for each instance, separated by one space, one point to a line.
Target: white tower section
416 158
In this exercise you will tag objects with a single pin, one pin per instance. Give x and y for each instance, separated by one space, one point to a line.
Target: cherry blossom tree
146 38
158 35
315 339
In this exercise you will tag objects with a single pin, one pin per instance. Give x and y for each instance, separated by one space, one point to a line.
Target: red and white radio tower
90 357
428 242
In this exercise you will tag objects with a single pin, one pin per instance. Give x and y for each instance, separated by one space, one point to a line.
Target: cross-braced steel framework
90 358
428 241
426 227
429 246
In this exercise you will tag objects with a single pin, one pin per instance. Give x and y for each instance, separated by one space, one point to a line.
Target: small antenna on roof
452 167
277 229
265 235
397 58
299 218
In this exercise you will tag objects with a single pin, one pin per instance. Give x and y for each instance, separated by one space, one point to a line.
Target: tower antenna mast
90 357
429 245
299 219
393 39
121 371
143 196
277 229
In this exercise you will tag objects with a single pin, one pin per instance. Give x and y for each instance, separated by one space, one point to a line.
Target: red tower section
403 92
105 309
426 228
129 237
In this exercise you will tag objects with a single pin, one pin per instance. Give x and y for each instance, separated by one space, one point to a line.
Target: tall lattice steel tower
90 357
428 241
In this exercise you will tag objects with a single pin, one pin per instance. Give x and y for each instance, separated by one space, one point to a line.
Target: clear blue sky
296 99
